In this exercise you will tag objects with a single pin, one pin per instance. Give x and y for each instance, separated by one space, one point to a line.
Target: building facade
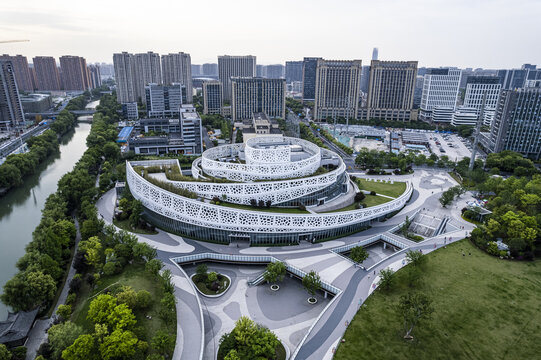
293 71
440 90
130 110
212 97
209 69
234 66
309 71
164 100
274 71
337 89
477 86
390 90
177 68
256 95
22 72
125 77
95 76
74 73
147 71
11 109
47 75
517 123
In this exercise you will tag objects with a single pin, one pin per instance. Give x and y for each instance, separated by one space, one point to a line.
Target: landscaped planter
312 301
274 287
226 281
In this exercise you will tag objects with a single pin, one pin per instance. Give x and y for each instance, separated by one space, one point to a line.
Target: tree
311 282
201 270
119 345
100 308
358 254
64 311
28 289
415 257
92 249
137 209
248 340
4 353
275 272
163 343
413 308
127 296
84 348
61 336
386 279
143 251
144 299
154 266
212 277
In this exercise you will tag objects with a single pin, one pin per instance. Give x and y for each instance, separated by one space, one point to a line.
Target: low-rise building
260 125
36 103
130 111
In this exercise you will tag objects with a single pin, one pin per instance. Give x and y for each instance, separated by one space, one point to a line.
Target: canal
20 209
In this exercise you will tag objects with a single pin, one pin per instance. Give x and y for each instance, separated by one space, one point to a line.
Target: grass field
369 200
265 209
484 308
136 277
125 225
393 190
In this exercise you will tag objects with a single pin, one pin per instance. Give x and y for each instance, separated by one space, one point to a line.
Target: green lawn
125 225
136 277
265 209
393 190
484 308
369 200
202 286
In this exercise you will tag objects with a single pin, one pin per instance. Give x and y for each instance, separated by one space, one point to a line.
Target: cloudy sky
464 33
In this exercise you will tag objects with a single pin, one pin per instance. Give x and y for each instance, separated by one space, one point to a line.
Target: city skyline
57 28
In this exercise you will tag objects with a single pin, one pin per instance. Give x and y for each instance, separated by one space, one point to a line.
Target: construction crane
12 41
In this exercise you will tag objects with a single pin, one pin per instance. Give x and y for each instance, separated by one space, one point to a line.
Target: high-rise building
11 109
22 73
275 71
375 53
390 90
337 89
309 68
260 71
234 66
365 77
517 123
209 69
293 71
196 70
74 73
147 71
164 100
255 95
107 71
440 89
177 68
33 78
518 78
418 92
95 76
212 97
47 75
477 86
125 77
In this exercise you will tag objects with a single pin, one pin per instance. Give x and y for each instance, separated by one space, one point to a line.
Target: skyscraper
11 109
275 71
293 71
309 67
440 90
390 90
212 97
476 86
255 95
164 100
147 71
74 73
47 75
209 69
234 66
337 88
22 73
196 69
177 68
517 123
95 76
124 64
375 53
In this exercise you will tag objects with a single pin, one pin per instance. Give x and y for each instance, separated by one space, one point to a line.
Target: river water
20 209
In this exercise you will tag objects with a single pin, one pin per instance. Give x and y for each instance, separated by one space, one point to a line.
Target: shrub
71 298
492 249
373 193
144 299
64 311
360 196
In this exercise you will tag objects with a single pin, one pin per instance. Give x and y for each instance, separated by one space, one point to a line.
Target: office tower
234 66
375 53
212 97
293 71
11 109
33 79
74 73
107 71
275 71
47 75
95 76
196 70
365 77
418 92
476 86
209 69
517 123
512 79
164 100
130 111
177 68
147 71
309 68
124 64
440 89
260 71
337 89
20 66
253 95
390 90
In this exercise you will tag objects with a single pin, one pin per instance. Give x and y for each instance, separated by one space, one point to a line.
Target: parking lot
455 147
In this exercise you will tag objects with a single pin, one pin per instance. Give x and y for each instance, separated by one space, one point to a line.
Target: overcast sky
463 33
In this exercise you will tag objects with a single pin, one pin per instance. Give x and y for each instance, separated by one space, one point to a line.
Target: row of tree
332 139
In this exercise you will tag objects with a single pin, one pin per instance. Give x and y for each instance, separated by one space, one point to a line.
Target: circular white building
252 192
